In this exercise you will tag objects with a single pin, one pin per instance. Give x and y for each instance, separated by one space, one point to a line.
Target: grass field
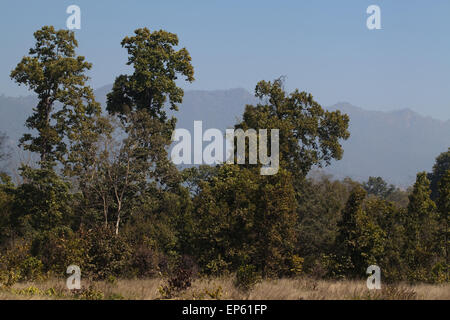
223 288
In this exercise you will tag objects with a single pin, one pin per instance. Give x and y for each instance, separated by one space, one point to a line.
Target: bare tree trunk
119 207
117 223
105 211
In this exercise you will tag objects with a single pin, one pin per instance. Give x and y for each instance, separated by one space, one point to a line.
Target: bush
218 267
296 265
89 293
31 269
9 277
59 248
180 279
145 262
247 277
17 264
107 255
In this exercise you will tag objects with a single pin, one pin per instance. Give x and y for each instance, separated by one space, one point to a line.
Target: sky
322 46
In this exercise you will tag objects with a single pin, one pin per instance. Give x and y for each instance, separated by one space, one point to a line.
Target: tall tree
241 218
157 65
57 75
309 135
348 229
443 204
421 230
320 206
139 100
441 165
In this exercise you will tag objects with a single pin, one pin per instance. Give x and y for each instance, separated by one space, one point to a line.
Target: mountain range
393 145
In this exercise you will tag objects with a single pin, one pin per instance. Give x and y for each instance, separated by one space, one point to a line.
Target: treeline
105 196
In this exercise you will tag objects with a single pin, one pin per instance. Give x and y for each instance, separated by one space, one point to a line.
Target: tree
157 66
7 193
91 151
347 238
320 204
139 101
361 240
194 176
389 218
140 164
243 218
421 230
441 165
42 202
378 187
57 75
309 135
443 204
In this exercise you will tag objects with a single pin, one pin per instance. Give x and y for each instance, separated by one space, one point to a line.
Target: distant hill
394 145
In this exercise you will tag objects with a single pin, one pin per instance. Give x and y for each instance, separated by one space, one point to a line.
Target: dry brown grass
223 288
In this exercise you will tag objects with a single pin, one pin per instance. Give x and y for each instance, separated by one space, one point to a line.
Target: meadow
224 288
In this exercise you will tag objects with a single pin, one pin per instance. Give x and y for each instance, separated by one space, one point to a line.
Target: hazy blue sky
323 47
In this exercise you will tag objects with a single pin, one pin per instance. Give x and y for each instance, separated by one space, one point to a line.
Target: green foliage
7 196
31 269
16 264
42 202
145 262
108 254
247 277
8 277
89 293
349 229
296 265
378 187
58 249
309 135
56 74
180 278
421 230
360 239
321 201
156 67
441 165
242 217
117 206
389 218
443 204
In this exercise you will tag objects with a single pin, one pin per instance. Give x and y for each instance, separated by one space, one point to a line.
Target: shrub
145 262
31 269
180 279
247 277
107 254
296 265
59 248
218 267
89 293
9 277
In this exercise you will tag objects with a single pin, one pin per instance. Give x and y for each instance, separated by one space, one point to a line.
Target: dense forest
104 194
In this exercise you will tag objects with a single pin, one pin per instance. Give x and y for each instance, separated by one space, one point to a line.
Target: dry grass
223 288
